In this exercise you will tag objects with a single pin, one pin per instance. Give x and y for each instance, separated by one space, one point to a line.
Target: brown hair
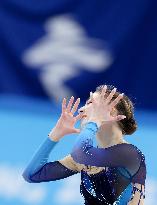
124 107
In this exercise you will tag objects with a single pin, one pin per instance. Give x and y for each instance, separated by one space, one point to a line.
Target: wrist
54 136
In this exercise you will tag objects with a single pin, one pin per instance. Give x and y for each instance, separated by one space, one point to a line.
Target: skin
100 110
109 132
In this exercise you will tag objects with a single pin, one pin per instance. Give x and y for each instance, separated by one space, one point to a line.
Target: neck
110 136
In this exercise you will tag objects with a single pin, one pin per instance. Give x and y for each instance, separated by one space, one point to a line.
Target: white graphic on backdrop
61 53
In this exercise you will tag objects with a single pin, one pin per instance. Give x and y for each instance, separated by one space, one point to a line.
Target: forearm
84 140
40 158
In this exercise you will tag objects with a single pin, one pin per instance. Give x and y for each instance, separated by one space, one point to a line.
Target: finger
79 116
119 117
115 102
70 104
108 99
103 92
64 105
75 105
91 95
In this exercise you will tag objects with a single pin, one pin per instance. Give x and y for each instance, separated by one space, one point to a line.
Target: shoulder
134 151
129 148
133 157
139 151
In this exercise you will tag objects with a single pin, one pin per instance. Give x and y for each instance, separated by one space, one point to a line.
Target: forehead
94 95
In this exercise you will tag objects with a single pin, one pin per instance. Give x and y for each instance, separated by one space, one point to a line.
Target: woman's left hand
101 108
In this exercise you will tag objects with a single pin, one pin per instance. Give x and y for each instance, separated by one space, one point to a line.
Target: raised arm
120 155
38 169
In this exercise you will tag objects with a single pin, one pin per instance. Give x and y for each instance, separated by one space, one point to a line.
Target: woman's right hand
66 122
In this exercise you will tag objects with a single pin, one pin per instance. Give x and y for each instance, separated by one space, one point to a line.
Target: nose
81 110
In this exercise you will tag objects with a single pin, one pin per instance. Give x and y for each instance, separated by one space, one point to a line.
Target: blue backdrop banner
58 48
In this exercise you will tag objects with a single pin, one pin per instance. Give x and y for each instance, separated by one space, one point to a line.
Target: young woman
114 172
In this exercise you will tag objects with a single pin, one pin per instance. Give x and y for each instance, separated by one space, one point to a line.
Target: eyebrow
88 99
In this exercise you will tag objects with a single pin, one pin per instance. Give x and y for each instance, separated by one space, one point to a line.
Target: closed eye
89 102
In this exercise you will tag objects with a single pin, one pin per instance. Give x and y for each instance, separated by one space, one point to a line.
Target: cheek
89 108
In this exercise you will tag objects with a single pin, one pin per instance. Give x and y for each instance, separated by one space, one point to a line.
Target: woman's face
86 109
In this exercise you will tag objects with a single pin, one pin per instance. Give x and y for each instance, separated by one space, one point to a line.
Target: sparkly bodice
126 167
105 187
93 188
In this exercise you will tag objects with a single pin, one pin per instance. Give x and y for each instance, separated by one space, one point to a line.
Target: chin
83 122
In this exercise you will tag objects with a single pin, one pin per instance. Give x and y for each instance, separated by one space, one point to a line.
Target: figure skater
114 172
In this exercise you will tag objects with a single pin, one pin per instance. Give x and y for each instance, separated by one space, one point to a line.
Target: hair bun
131 120
130 126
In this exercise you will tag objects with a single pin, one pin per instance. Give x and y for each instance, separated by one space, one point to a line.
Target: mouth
84 116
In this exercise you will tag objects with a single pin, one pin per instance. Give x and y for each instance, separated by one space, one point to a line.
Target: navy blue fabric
125 156
127 28
125 162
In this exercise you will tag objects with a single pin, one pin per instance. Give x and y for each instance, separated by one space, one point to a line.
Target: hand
102 108
66 122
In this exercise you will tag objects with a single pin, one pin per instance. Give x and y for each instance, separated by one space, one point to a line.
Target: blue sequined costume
115 186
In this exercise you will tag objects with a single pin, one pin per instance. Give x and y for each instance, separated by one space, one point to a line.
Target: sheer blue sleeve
38 170
121 155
